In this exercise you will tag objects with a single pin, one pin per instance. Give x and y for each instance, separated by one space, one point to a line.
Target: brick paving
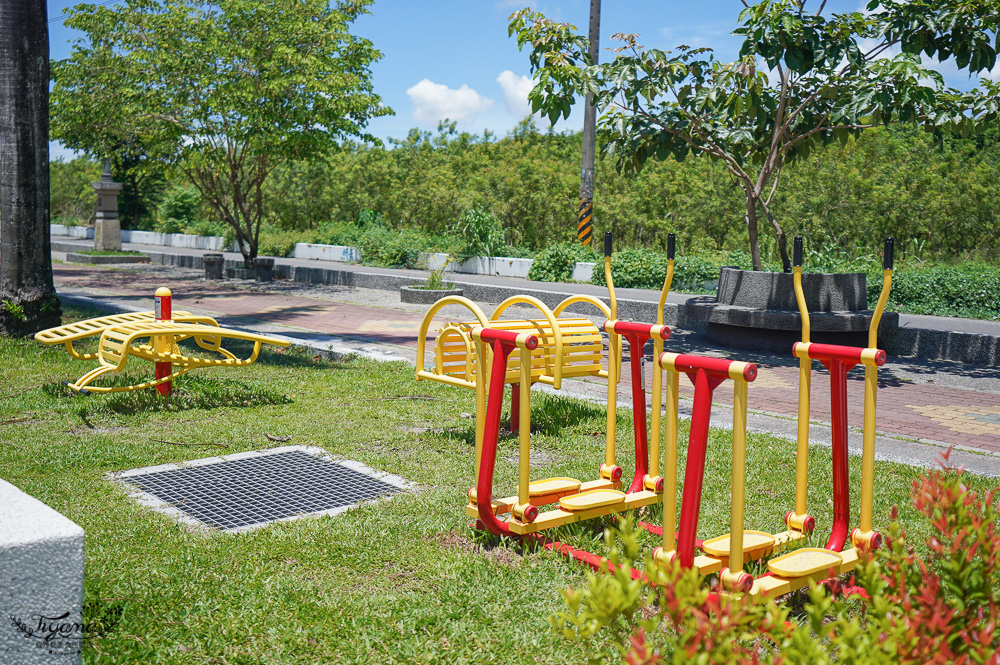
947 414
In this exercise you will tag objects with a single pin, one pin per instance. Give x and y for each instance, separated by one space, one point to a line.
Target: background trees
28 300
830 77
224 92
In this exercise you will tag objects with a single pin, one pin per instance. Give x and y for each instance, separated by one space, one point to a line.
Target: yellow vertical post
805 380
871 387
524 429
613 350
738 482
868 449
657 398
670 462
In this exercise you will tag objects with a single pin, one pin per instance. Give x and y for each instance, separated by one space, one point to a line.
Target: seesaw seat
139 336
755 543
73 332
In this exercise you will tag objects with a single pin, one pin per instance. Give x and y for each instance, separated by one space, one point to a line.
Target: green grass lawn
402 580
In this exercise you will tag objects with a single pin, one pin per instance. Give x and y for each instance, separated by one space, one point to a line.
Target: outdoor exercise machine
484 355
727 554
151 336
576 500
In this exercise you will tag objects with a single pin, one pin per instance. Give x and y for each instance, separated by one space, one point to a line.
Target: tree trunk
751 219
28 301
786 264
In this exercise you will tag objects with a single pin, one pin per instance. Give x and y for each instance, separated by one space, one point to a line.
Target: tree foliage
225 91
830 78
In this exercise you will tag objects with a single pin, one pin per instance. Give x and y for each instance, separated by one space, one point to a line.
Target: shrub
280 243
368 219
481 233
939 603
389 249
966 289
181 204
556 263
646 269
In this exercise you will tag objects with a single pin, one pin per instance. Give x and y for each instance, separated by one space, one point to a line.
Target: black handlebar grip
671 245
887 258
607 243
797 252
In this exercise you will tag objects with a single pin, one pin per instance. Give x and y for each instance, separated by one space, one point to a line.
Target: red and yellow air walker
572 499
726 554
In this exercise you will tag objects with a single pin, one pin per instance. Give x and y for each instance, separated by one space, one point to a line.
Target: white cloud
435 101
517 4
515 92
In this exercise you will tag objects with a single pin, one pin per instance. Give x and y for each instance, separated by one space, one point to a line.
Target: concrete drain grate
249 490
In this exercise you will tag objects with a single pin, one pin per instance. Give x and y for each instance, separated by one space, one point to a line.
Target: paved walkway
945 323
923 407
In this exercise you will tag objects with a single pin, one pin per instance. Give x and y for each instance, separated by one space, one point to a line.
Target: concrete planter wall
583 272
109 259
502 266
85 232
306 250
185 240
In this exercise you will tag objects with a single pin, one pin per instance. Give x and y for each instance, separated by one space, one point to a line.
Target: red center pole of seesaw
164 312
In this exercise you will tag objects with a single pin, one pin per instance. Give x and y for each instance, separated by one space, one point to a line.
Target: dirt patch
539 458
502 556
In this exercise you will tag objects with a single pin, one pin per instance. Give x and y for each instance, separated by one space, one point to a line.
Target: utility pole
584 227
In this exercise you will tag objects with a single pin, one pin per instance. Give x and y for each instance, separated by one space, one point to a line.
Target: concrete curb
41 579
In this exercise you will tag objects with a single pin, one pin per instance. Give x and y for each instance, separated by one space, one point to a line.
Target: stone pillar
108 231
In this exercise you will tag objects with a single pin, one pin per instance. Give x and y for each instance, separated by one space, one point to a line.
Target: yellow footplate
753 541
803 562
591 499
553 486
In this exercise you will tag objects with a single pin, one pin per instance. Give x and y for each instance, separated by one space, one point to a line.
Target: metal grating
252 489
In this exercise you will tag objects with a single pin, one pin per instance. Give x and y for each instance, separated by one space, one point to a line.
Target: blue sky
453 59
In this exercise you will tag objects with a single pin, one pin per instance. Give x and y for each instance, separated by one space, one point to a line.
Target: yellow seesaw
152 336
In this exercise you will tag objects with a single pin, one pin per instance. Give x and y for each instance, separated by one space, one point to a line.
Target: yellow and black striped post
584 229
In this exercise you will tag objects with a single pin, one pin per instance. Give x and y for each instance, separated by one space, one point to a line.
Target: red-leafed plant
939 603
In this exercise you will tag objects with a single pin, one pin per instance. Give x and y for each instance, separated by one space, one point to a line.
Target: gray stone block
825 292
41 582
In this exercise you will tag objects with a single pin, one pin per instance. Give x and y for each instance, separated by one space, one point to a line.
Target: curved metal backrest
556 364
426 322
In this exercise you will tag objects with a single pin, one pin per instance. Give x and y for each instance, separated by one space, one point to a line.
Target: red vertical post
635 344
694 475
515 408
841 486
163 312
